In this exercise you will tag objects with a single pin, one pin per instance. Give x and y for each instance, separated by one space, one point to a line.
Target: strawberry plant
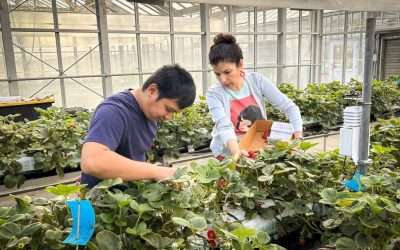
385 140
54 141
363 220
385 96
57 139
14 139
189 129
324 103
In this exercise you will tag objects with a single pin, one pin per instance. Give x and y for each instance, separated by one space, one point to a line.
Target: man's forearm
108 164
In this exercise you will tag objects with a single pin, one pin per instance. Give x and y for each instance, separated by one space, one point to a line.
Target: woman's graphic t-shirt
244 109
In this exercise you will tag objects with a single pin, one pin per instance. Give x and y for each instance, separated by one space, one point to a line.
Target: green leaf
122 199
92 246
140 208
20 217
275 247
181 222
40 201
106 218
107 240
266 178
229 234
368 223
19 243
106 184
305 145
244 233
154 192
156 241
198 223
64 190
53 235
268 170
134 205
345 243
23 202
10 181
207 174
31 229
143 208
364 241
263 237
140 229
332 223
8 230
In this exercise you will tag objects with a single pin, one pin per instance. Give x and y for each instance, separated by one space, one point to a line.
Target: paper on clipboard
281 131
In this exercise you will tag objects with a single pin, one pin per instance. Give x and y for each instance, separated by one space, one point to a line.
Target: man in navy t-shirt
123 128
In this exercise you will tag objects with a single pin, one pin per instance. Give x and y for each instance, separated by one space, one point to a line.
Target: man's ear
152 90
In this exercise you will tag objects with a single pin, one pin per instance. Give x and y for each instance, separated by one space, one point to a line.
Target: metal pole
230 19
363 161
344 52
205 29
8 48
104 48
59 55
138 43
320 17
299 44
281 44
172 30
255 38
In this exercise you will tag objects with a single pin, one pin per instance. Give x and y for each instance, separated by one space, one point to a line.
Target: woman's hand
235 150
298 135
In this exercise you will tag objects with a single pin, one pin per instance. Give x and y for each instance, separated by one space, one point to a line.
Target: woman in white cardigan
238 99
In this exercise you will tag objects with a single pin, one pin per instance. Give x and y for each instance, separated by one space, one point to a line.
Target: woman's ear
241 64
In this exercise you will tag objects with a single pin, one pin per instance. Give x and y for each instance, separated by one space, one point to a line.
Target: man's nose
168 116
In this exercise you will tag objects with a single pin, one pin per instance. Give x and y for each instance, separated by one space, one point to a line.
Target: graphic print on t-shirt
244 112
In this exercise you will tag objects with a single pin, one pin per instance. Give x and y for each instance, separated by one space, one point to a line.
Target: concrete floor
6 200
324 144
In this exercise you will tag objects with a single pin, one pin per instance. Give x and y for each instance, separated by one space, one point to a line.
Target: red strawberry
221 183
252 154
211 235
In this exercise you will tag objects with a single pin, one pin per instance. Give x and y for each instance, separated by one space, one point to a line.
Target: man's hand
298 135
164 173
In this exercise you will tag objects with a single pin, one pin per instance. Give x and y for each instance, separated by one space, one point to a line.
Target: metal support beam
205 38
8 48
138 43
281 48
363 161
318 56
230 18
353 5
314 42
344 52
59 54
255 37
172 29
104 47
299 44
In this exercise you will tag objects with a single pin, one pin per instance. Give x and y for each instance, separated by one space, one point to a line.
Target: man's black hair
173 82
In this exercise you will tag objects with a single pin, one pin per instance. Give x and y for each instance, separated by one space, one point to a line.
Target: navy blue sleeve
106 127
